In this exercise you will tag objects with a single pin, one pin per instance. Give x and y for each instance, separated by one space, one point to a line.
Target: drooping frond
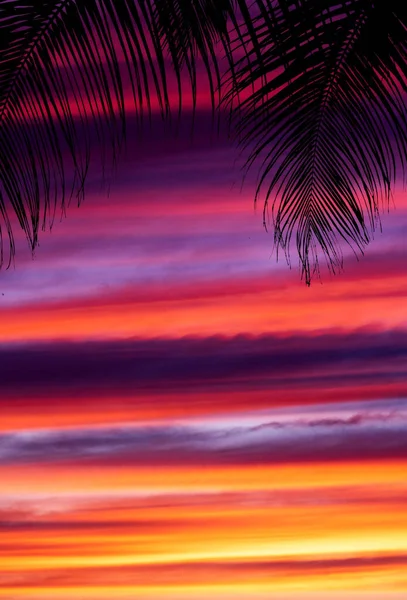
64 69
322 109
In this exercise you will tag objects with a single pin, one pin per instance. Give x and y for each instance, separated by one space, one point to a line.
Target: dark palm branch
315 88
62 77
322 110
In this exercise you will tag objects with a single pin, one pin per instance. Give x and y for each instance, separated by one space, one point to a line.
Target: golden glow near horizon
161 532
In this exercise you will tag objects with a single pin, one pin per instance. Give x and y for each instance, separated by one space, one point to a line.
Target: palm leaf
62 78
322 108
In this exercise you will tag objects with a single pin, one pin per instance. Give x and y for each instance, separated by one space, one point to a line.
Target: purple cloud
364 434
263 362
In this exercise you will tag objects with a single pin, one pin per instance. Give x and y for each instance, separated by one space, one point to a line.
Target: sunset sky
181 415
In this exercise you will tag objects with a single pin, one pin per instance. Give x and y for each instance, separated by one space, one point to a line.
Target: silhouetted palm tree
314 88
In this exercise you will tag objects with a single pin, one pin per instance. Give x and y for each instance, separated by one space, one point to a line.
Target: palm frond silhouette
315 89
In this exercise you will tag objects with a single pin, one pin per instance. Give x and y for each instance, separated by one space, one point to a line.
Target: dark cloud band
161 365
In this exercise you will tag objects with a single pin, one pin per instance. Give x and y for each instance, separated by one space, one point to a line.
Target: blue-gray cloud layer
362 434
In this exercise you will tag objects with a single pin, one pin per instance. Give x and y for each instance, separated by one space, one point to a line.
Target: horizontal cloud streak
208 571
267 361
361 435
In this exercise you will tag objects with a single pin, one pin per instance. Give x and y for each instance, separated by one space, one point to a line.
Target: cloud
201 573
267 362
361 435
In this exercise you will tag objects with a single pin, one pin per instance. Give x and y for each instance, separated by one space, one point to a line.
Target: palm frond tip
323 113
62 70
